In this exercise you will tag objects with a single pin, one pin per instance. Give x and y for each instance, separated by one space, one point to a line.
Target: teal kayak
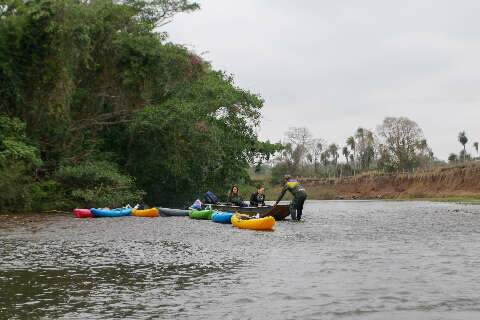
222 217
101 213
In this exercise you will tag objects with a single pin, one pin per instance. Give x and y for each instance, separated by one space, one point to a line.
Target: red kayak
82 213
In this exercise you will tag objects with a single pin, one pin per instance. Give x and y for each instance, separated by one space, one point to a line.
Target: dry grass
450 183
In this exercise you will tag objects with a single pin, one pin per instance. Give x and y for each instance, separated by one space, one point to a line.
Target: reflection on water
347 260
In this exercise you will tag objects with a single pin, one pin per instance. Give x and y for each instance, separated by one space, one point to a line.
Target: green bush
15 184
18 160
98 184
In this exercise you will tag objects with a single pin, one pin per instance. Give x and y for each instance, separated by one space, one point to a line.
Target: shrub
98 184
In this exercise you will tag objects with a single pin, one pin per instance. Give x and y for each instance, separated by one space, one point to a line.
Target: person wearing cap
299 196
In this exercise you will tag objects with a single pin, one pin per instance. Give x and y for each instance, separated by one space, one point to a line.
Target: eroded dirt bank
446 182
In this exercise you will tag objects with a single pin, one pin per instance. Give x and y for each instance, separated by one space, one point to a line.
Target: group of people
257 198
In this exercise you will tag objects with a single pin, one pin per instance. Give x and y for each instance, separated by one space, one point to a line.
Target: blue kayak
120 212
222 217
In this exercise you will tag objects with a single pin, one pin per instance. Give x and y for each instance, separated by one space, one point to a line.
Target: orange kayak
148 213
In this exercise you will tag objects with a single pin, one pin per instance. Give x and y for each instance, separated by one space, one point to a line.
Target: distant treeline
397 145
98 109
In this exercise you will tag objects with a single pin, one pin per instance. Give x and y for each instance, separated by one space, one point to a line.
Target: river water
346 260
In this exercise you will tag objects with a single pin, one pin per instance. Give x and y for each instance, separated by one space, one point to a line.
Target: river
346 260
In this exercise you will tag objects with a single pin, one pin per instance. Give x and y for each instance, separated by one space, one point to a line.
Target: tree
462 138
452 158
299 136
325 157
316 148
363 146
464 155
333 152
400 138
19 160
202 138
346 153
301 140
351 143
103 94
475 145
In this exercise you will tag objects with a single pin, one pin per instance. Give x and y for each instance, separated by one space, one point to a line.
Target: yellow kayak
149 213
266 223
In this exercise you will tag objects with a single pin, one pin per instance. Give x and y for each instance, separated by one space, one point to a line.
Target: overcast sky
335 65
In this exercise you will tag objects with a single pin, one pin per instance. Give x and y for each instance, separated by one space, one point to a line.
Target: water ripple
348 260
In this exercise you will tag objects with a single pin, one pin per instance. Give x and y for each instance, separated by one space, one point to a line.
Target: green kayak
202 214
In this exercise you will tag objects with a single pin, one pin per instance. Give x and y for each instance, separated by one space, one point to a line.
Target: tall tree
316 148
462 138
400 138
364 147
333 151
346 153
325 157
351 143
301 140
475 145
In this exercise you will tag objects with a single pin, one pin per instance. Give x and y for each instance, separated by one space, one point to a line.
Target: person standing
257 198
299 196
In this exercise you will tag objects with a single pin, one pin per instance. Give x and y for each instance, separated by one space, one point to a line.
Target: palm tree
351 143
324 156
333 150
475 145
345 153
462 138
464 156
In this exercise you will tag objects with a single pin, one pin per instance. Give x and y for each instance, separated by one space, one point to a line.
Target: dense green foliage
18 159
97 182
201 138
105 107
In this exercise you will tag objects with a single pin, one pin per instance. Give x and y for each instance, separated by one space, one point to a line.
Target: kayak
173 212
120 212
222 217
147 213
82 213
266 223
201 214
279 212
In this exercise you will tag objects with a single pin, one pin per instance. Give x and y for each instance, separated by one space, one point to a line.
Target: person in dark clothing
299 196
257 198
234 197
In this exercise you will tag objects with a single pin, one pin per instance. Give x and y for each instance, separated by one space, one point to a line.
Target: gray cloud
335 65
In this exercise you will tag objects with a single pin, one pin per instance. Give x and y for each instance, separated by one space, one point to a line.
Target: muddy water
347 260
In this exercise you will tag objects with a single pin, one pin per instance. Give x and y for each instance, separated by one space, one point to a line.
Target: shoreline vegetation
99 109
393 162
455 183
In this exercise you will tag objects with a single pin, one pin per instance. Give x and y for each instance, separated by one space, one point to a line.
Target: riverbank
460 183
